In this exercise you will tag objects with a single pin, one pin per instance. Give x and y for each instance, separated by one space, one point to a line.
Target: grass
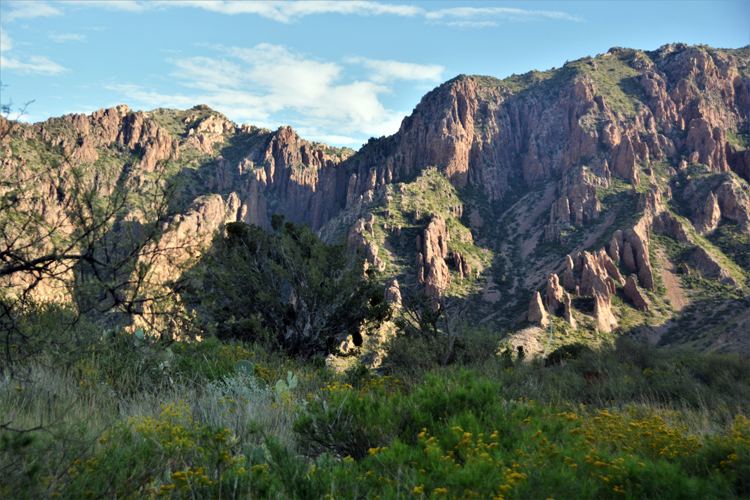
666 424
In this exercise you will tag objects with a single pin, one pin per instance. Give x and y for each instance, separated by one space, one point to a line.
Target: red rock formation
634 294
435 245
605 318
577 204
627 256
460 264
438 278
393 293
569 276
554 295
651 201
356 240
537 313
568 313
597 270
708 215
734 203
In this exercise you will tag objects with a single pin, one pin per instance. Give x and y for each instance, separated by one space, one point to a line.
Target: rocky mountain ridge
589 183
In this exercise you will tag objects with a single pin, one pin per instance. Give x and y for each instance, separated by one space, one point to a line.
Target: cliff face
483 131
580 161
489 188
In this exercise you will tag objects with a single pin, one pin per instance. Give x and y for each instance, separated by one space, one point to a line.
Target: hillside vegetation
622 422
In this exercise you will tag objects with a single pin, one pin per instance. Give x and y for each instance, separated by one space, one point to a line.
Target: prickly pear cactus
288 385
244 366
140 338
291 381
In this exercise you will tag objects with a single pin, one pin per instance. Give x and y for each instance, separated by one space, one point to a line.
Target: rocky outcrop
86 152
593 275
634 294
537 313
437 279
734 203
615 246
630 247
393 293
568 312
577 204
569 280
605 318
208 131
431 261
597 272
708 216
554 295
651 201
119 124
709 267
357 240
462 267
709 142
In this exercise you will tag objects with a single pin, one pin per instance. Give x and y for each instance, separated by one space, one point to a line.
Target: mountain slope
617 186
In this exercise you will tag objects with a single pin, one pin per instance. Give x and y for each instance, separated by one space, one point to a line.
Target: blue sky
338 72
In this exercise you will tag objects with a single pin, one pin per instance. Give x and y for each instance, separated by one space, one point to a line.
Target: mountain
613 193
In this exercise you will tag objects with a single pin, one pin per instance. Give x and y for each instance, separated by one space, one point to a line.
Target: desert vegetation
137 417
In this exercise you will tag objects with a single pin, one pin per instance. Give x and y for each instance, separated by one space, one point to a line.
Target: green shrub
565 353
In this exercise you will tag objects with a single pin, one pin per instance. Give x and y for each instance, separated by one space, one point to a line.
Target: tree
436 322
286 288
436 332
71 254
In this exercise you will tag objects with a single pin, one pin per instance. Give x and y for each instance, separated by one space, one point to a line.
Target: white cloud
116 5
471 24
36 64
66 37
267 84
387 71
28 10
6 43
481 15
288 11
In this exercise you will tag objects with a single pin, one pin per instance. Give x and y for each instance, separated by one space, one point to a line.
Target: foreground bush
497 430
